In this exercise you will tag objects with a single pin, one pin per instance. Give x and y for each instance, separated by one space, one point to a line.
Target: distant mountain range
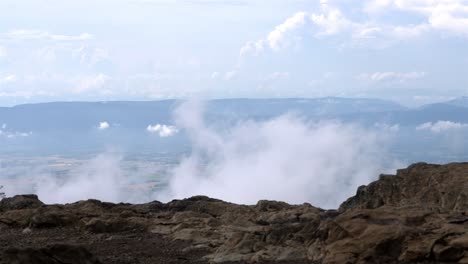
63 127
85 116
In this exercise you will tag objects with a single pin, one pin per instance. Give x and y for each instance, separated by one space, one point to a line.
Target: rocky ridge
418 215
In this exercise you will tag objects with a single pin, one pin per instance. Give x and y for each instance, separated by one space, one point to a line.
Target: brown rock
418 215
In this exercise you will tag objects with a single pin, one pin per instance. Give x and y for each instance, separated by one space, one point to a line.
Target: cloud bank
285 158
392 77
444 17
100 178
441 126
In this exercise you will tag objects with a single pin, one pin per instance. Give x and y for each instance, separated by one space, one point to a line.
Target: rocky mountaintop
418 215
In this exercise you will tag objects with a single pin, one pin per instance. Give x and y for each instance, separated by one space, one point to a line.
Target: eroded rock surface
416 216
442 188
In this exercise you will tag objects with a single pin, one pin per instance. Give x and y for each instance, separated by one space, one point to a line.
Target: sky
409 51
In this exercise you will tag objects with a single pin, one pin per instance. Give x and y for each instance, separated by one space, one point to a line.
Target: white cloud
391 76
103 125
88 83
330 21
100 178
443 15
289 157
162 130
275 38
441 126
26 34
14 134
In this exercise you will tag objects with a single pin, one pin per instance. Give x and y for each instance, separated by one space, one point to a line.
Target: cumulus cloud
391 76
162 130
441 126
330 21
275 38
285 158
103 125
447 15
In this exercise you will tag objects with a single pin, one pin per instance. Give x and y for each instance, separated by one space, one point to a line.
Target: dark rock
55 254
441 188
17 202
415 216
52 216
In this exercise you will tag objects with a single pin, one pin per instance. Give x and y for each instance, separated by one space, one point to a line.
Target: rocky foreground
419 215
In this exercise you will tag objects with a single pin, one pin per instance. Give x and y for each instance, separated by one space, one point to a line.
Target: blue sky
409 51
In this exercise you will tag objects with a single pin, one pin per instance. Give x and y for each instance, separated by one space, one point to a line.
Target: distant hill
63 127
84 116
460 101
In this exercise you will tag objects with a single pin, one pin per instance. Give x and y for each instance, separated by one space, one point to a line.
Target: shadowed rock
56 254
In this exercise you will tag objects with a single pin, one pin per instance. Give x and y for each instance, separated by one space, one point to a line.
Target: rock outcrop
417 216
441 188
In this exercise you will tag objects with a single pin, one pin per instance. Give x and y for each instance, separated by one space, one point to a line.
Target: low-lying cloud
441 126
104 177
103 125
286 158
5 133
162 130
100 178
